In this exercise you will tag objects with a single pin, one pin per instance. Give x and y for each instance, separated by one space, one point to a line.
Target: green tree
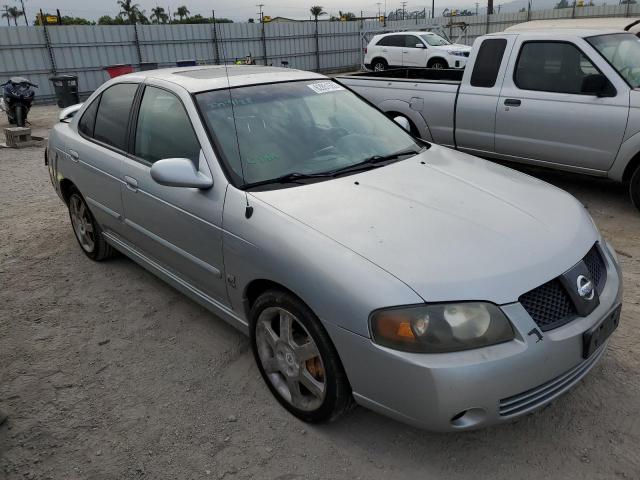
182 12
129 10
348 16
158 15
317 11
107 20
562 4
251 20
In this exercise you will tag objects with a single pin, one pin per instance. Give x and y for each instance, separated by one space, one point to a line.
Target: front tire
634 188
86 230
438 64
20 116
296 358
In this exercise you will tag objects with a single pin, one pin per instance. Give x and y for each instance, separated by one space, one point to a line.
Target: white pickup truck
565 99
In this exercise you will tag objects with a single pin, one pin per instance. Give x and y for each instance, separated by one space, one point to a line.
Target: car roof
616 23
549 34
414 32
212 77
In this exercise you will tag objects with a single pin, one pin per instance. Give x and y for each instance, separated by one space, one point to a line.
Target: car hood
449 225
456 47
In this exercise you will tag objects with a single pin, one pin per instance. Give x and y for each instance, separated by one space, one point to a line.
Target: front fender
340 286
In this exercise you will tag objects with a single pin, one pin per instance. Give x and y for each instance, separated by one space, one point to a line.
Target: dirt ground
106 372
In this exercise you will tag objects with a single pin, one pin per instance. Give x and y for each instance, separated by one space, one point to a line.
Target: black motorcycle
18 95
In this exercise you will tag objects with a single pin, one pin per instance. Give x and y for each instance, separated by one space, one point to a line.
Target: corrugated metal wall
86 50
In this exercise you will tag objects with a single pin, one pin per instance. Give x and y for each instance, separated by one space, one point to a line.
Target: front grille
549 304
597 269
538 396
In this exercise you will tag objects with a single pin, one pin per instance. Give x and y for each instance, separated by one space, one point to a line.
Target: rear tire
634 188
86 230
297 359
20 116
437 63
379 65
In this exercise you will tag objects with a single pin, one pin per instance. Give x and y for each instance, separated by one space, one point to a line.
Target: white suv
414 49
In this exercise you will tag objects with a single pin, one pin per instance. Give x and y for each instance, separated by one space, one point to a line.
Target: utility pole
264 38
404 5
477 8
378 4
24 13
433 8
490 7
6 11
215 38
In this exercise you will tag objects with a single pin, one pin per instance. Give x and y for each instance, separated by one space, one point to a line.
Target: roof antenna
248 212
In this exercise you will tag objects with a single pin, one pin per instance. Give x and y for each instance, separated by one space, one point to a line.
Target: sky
237 10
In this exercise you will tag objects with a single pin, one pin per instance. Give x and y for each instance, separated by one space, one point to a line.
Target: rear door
412 55
178 227
99 149
391 48
543 115
479 92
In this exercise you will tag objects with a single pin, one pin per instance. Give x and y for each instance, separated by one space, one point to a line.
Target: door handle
74 155
132 183
512 102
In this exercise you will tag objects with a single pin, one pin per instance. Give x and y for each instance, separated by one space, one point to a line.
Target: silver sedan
365 264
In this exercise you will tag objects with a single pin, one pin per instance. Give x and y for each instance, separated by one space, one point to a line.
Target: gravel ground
106 372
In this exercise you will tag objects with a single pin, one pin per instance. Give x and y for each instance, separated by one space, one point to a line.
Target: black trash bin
66 88
144 66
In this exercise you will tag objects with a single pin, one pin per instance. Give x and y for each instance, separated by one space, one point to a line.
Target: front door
180 228
391 48
543 114
412 55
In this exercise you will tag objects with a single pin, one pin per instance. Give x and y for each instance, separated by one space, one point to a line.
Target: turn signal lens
441 327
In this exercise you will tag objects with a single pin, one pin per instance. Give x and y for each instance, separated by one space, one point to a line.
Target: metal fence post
137 42
216 51
317 48
627 9
264 43
47 42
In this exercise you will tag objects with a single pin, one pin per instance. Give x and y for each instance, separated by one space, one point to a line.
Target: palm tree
317 11
12 12
182 11
158 15
129 10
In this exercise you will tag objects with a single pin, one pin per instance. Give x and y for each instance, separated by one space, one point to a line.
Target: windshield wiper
367 163
292 177
371 162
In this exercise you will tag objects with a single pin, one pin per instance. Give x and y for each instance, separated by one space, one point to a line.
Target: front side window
163 129
113 115
307 127
410 41
434 40
552 67
622 51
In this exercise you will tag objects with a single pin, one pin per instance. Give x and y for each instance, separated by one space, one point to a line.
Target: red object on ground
117 70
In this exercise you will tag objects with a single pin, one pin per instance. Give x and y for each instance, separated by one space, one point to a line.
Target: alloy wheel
290 358
82 223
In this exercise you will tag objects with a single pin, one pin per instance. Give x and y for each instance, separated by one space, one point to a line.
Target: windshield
622 51
307 127
435 40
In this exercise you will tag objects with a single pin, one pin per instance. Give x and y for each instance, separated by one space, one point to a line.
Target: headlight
456 53
439 328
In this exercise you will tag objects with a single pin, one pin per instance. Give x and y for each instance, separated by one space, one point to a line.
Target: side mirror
595 84
179 172
403 122
419 45
69 112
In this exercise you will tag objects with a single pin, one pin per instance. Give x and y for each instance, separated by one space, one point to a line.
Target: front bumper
476 388
457 62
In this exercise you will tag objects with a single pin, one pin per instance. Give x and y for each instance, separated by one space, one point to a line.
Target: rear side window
88 120
164 129
488 60
392 41
558 67
113 115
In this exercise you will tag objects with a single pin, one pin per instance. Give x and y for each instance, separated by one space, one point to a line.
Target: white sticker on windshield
325 87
